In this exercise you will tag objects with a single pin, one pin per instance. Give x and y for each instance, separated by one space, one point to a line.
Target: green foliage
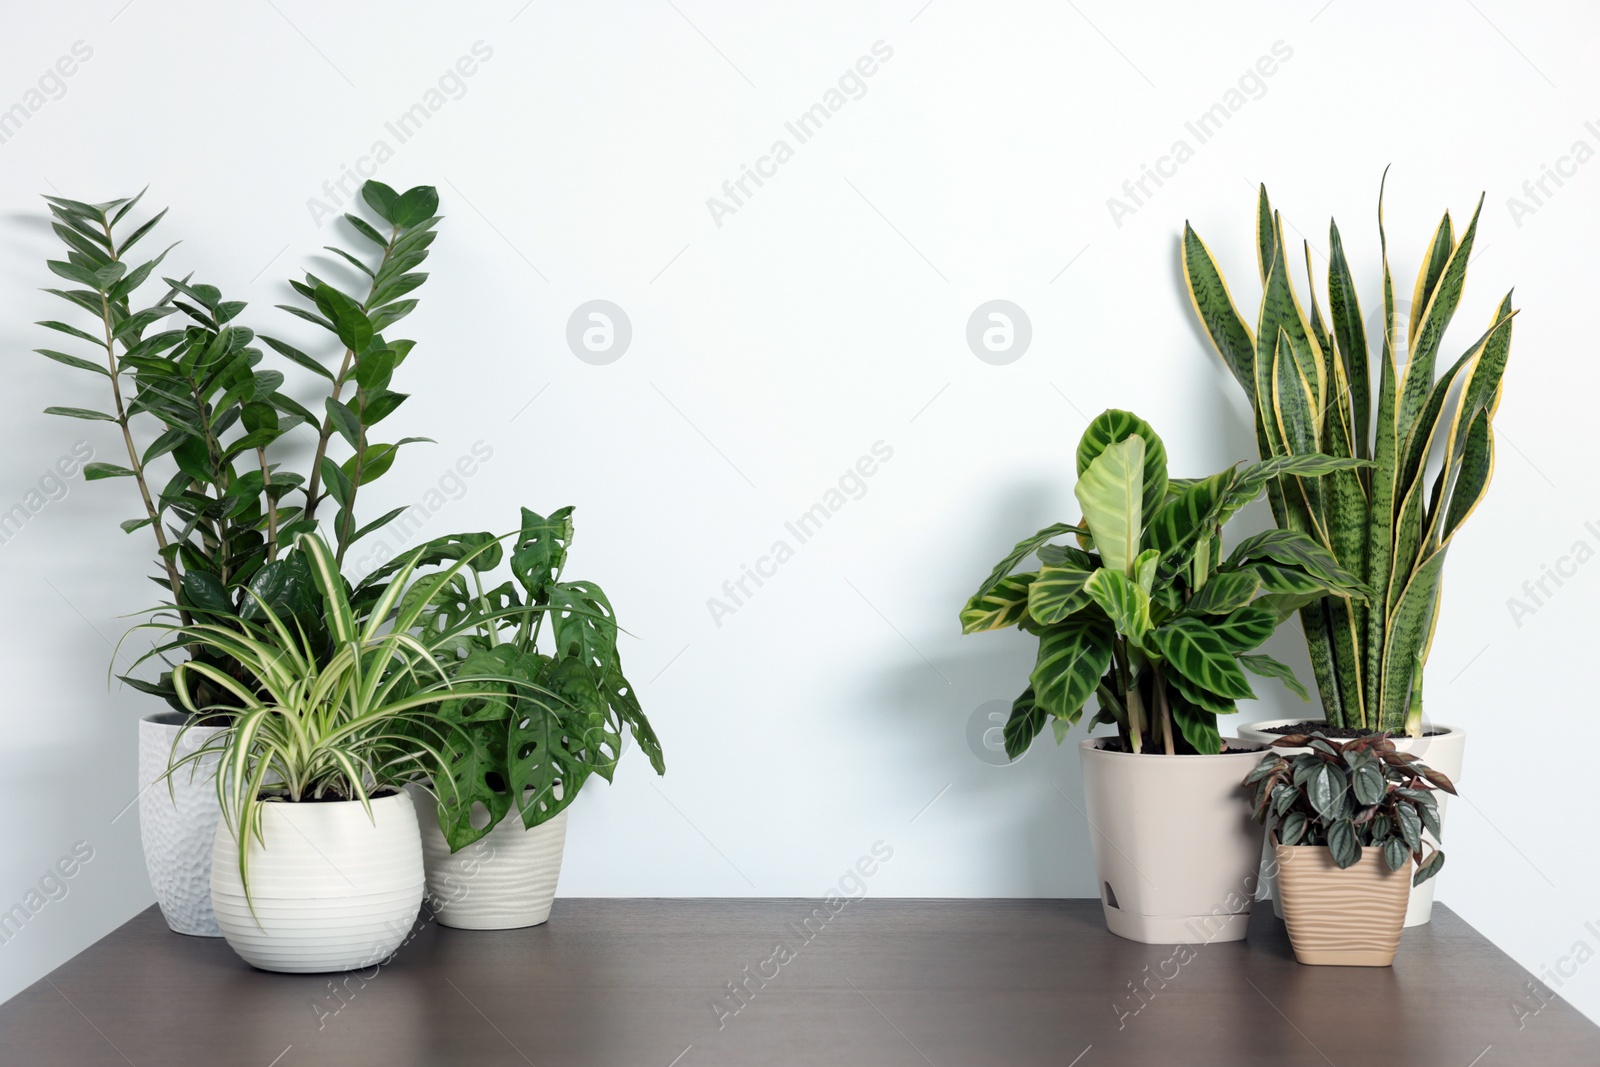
1310 383
343 717
548 703
1153 621
202 414
1350 796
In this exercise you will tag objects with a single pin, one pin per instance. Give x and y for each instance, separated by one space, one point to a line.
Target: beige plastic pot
1342 918
1444 751
1175 849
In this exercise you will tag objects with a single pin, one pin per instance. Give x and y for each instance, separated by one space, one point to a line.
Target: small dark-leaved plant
1349 796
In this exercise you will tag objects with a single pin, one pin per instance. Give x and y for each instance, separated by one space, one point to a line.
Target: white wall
769 352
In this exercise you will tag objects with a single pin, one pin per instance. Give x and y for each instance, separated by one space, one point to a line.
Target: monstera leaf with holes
1310 382
1146 614
544 701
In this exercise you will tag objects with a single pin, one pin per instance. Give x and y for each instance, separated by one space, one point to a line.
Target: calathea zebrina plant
1349 796
1145 613
1309 381
202 419
543 698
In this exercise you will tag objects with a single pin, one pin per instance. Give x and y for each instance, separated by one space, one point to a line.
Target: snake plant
1144 612
1429 436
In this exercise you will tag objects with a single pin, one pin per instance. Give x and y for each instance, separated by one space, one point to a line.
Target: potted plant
1310 384
547 707
317 858
200 416
1146 614
1347 822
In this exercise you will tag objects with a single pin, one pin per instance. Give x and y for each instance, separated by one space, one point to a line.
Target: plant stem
133 453
1130 687
1165 711
272 506
326 433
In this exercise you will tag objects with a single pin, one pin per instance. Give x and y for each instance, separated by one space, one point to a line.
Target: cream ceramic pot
332 889
503 881
178 821
1175 850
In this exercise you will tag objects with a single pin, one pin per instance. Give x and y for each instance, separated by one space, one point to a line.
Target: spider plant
344 716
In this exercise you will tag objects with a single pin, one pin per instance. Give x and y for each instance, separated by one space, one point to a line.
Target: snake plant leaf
1198 726
1072 657
1198 652
1055 593
1433 264
1026 723
1268 667
1267 232
1350 340
1111 427
1214 306
1281 312
1223 593
1246 628
1004 605
1474 470
1483 385
1024 548
1123 600
1111 492
1407 630
1441 307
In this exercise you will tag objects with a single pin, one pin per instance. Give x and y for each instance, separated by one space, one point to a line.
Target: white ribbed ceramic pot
332 890
1175 848
503 881
178 822
1444 751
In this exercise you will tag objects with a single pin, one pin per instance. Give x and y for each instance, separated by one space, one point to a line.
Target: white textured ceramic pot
1175 849
1443 750
178 824
505 880
332 890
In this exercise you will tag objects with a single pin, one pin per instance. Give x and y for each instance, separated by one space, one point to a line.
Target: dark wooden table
882 983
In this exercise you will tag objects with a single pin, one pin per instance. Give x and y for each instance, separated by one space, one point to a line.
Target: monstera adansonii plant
1145 613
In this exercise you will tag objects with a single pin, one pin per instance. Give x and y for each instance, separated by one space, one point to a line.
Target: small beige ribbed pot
1342 918
504 881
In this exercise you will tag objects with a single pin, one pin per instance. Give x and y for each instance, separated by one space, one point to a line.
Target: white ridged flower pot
178 825
332 890
1444 752
504 881
1175 848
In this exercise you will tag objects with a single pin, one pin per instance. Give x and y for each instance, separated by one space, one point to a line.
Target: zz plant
543 699
203 420
1145 612
1351 796
1309 381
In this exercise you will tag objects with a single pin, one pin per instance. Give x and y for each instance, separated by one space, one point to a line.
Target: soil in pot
1342 733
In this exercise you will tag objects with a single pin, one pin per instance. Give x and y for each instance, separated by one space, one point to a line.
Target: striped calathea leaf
1328 386
1143 612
